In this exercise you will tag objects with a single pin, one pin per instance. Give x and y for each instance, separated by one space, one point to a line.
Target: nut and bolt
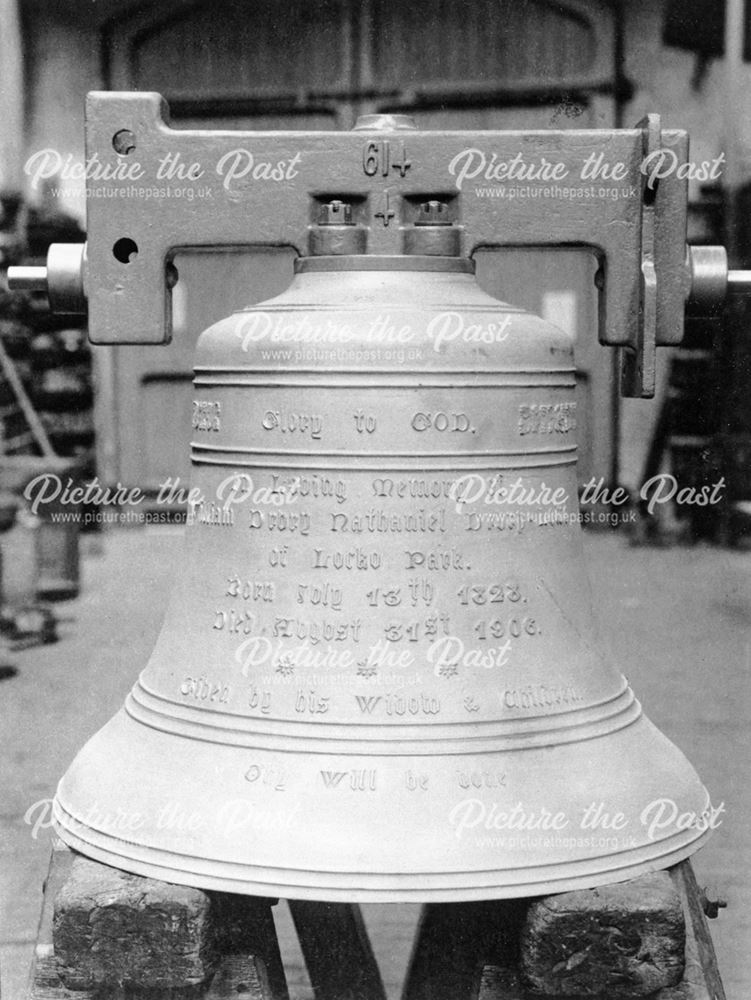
433 213
711 901
336 213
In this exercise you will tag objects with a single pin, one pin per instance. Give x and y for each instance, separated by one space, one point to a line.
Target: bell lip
370 864
384 262
395 887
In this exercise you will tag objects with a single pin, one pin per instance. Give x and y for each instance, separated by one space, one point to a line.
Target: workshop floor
678 620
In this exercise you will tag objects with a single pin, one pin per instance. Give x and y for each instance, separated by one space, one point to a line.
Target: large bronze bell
378 677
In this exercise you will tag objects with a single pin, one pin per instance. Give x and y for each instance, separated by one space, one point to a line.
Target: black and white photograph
375 499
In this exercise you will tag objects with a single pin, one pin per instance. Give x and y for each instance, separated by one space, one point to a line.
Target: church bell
378 678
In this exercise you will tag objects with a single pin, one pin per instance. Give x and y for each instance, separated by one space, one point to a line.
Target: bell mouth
384 262
376 841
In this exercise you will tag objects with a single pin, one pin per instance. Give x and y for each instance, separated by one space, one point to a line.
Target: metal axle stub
63 278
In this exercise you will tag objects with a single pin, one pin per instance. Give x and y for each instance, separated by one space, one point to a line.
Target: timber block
115 935
113 929
623 940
